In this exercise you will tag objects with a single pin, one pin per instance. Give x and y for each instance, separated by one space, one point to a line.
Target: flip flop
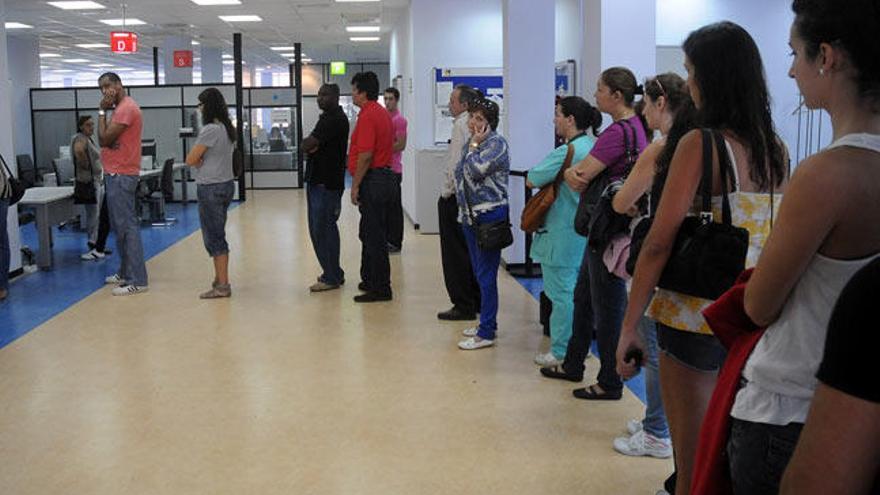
591 393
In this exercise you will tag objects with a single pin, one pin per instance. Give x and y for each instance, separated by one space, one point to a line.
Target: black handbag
707 256
490 236
595 217
84 193
16 186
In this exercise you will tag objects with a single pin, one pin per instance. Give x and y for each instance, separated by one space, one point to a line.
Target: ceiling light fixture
355 1
196 43
240 18
362 29
101 65
75 60
76 5
17 25
49 55
217 2
282 48
288 55
93 45
364 38
123 22
227 56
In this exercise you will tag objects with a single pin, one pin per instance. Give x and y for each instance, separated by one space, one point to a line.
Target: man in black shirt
325 183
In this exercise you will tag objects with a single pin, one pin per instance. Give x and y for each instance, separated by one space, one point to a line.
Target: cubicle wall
168 108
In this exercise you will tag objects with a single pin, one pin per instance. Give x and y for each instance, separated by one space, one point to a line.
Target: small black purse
707 256
490 236
16 186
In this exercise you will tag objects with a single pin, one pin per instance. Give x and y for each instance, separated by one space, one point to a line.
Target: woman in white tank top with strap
828 228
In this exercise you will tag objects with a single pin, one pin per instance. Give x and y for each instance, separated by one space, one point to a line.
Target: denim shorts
697 351
214 200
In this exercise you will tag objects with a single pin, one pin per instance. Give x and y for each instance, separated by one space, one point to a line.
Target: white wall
767 22
6 147
24 55
569 35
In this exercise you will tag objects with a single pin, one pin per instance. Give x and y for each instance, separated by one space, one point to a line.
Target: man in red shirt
374 185
120 141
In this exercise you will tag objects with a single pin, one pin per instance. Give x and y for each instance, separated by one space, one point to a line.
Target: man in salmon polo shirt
398 122
120 139
373 187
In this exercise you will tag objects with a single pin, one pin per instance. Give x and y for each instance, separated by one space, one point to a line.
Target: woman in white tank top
827 229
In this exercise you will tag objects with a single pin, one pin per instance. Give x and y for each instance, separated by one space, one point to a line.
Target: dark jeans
324 207
4 244
103 226
121 190
599 304
461 284
378 192
395 218
485 265
759 454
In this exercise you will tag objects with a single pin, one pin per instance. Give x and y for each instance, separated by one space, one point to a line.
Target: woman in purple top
600 296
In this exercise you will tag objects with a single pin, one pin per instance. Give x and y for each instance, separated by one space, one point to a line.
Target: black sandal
557 372
591 393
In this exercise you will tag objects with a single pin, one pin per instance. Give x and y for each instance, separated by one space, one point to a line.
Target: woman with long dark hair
600 296
827 230
211 159
726 82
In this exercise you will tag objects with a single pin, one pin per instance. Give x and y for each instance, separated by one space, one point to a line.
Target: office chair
27 172
154 193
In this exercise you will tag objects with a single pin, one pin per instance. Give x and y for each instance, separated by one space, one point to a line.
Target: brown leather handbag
536 209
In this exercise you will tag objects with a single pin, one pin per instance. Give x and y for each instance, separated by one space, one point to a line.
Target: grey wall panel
191 93
156 97
53 99
272 96
163 125
53 130
88 98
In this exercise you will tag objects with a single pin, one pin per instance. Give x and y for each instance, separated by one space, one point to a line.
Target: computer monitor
277 144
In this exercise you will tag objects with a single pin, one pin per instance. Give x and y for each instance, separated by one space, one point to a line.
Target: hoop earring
821 72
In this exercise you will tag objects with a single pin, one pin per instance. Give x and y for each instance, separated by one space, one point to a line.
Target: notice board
488 80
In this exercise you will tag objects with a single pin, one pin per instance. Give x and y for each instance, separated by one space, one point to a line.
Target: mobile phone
634 355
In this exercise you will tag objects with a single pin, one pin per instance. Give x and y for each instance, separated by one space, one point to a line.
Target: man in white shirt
457 272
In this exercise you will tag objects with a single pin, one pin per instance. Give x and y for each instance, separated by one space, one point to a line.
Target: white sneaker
92 255
547 360
129 289
471 344
470 332
115 279
634 426
644 444
662 492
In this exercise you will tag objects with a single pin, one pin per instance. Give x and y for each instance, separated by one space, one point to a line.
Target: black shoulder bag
490 236
590 207
16 186
707 256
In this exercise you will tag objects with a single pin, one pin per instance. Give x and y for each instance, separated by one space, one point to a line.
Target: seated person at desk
211 159
88 171
276 140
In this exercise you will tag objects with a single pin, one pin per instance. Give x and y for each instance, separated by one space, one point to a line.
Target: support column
6 146
212 65
529 95
24 54
176 75
607 45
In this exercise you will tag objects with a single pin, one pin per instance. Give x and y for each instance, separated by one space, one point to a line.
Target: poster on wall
487 80
566 84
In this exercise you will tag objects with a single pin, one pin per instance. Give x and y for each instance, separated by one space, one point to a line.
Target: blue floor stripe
636 384
37 297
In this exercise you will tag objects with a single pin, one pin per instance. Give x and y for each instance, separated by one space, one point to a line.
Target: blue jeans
214 201
121 190
4 244
485 265
655 418
324 206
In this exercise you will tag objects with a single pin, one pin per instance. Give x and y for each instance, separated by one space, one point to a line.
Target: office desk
53 205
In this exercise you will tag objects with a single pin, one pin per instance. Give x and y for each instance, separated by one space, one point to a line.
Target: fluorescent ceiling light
194 42
306 60
77 5
288 55
127 22
101 65
75 60
44 67
63 70
364 38
240 18
353 1
17 25
227 56
228 62
282 48
49 55
362 29
93 45
217 2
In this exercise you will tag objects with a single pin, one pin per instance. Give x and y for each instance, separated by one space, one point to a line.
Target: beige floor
280 391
